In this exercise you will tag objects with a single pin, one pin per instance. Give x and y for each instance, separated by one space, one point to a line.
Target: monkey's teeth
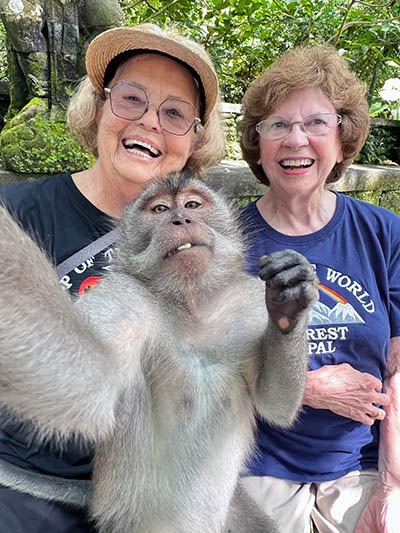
184 246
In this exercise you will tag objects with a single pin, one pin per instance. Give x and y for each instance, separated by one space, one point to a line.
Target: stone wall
377 184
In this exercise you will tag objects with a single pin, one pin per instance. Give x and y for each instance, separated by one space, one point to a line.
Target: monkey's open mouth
185 246
182 247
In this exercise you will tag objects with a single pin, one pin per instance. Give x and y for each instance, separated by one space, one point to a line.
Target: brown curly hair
303 68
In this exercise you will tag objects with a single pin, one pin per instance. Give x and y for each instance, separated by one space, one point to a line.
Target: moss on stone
31 142
388 199
373 197
391 200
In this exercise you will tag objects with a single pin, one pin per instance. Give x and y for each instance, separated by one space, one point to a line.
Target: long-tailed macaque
162 364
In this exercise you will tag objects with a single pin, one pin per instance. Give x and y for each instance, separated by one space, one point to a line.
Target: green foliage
372 197
378 147
32 142
3 52
245 36
391 200
233 150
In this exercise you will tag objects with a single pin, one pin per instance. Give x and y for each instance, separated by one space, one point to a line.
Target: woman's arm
383 511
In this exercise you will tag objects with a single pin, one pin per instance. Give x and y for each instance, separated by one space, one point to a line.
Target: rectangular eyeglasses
275 127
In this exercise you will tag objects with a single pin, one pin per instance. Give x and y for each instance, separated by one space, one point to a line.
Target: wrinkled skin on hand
347 392
291 287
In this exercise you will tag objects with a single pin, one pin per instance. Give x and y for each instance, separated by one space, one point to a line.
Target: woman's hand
347 392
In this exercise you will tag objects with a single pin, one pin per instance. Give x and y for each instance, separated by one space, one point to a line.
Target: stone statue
46 45
47 40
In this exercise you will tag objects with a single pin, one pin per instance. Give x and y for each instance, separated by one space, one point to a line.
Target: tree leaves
245 36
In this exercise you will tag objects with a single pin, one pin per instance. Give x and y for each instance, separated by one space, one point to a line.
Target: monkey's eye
160 208
192 204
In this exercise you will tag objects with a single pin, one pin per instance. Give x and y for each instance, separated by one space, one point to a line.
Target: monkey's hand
291 287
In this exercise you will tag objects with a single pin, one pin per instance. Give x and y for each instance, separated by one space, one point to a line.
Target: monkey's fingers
285 269
280 260
304 293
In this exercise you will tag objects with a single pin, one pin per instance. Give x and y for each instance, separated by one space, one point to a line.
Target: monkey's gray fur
161 364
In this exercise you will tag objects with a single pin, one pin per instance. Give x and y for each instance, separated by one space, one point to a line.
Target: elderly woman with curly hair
304 121
149 106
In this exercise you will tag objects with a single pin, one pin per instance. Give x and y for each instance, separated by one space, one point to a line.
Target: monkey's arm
291 290
54 368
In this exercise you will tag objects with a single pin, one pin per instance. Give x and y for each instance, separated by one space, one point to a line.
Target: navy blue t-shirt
62 221
357 260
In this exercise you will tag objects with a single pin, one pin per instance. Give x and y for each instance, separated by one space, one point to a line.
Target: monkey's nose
180 218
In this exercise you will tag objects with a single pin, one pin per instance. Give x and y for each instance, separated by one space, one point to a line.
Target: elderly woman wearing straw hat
147 107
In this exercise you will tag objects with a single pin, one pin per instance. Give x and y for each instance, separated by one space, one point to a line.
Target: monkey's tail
72 492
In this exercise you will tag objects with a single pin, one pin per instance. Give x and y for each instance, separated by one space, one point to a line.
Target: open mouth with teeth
183 247
296 163
140 148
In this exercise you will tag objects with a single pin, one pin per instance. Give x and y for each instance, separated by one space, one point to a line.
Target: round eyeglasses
273 128
130 101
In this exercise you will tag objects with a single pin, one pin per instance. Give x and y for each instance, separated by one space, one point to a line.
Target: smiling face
131 153
300 163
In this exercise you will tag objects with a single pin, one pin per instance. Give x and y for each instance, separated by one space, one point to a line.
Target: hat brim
111 43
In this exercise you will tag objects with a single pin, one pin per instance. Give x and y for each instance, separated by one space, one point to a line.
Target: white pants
334 506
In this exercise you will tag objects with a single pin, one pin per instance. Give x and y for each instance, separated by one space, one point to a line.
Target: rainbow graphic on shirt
332 294
341 313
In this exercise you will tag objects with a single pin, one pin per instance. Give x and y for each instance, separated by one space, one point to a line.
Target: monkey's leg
245 515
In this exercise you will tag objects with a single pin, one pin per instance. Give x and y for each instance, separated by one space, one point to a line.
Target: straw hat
150 37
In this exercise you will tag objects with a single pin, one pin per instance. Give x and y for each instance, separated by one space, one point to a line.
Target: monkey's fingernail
284 323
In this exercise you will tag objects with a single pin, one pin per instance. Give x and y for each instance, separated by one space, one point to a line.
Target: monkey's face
178 230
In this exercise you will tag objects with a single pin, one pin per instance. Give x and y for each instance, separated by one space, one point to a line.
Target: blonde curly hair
318 66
